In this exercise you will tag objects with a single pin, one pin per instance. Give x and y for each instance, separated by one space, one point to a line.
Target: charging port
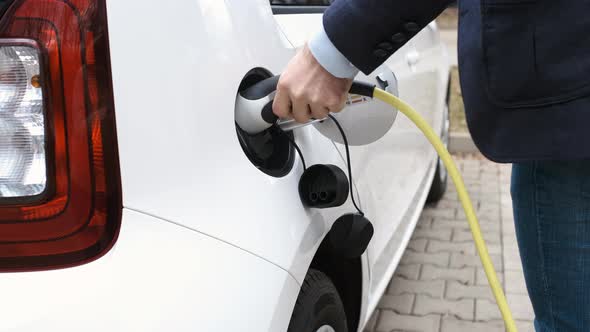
270 151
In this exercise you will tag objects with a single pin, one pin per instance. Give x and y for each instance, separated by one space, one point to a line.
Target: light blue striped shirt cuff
330 57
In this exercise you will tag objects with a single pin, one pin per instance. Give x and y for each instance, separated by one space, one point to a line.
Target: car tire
318 307
439 183
439 186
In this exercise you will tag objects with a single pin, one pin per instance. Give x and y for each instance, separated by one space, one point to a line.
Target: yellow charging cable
445 156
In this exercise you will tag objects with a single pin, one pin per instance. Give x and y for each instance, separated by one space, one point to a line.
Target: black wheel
319 307
439 183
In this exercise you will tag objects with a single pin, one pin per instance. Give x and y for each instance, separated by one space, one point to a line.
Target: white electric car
129 200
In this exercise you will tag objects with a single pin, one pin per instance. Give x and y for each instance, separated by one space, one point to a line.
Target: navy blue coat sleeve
367 32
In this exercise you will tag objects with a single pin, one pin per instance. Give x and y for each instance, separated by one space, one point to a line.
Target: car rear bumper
158 277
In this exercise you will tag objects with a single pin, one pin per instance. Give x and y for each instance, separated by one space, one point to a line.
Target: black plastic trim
363 89
268 115
261 89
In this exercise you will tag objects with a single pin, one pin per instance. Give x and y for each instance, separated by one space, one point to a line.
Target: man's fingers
297 92
337 107
319 111
301 111
281 105
338 102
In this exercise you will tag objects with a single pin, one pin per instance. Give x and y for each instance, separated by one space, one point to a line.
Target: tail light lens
60 201
22 123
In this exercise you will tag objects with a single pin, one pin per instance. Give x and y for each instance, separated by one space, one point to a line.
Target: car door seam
213 237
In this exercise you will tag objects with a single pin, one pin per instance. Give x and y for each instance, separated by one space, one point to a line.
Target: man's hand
306 90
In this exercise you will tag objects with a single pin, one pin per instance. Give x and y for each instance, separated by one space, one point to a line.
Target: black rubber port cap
323 186
350 235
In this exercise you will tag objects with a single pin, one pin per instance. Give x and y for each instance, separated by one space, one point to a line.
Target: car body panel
180 157
158 277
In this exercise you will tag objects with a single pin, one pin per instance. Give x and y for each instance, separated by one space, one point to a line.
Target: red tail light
75 216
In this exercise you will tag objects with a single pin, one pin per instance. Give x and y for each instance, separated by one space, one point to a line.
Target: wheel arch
347 276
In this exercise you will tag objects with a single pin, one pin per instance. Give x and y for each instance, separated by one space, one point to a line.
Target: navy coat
524 65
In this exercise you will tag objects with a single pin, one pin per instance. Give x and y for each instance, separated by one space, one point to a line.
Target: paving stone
433 234
482 216
505 199
490 187
494 249
494 325
486 310
487 177
515 283
525 326
372 323
440 224
418 245
462 224
482 220
467 164
424 221
464 275
402 304
507 215
510 247
462 235
470 170
411 271
483 198
425 305
450 324
508 229
399 286
506 209
451 195
451 267
482 280
457 291
489 167
509 240
490 196
451 189
446 246
512 260
447 213
459 260
448 201
438 259
521 306
390 321
485 205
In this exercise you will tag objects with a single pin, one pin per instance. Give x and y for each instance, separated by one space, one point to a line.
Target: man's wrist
329 57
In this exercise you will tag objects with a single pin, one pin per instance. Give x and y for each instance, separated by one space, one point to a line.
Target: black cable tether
347 162
292 141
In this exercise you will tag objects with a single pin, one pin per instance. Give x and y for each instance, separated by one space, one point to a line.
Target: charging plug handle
268 86
261 90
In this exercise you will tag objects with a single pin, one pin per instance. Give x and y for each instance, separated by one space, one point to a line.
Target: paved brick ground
440 284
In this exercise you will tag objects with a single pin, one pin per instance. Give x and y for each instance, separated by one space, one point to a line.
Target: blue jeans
551 202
